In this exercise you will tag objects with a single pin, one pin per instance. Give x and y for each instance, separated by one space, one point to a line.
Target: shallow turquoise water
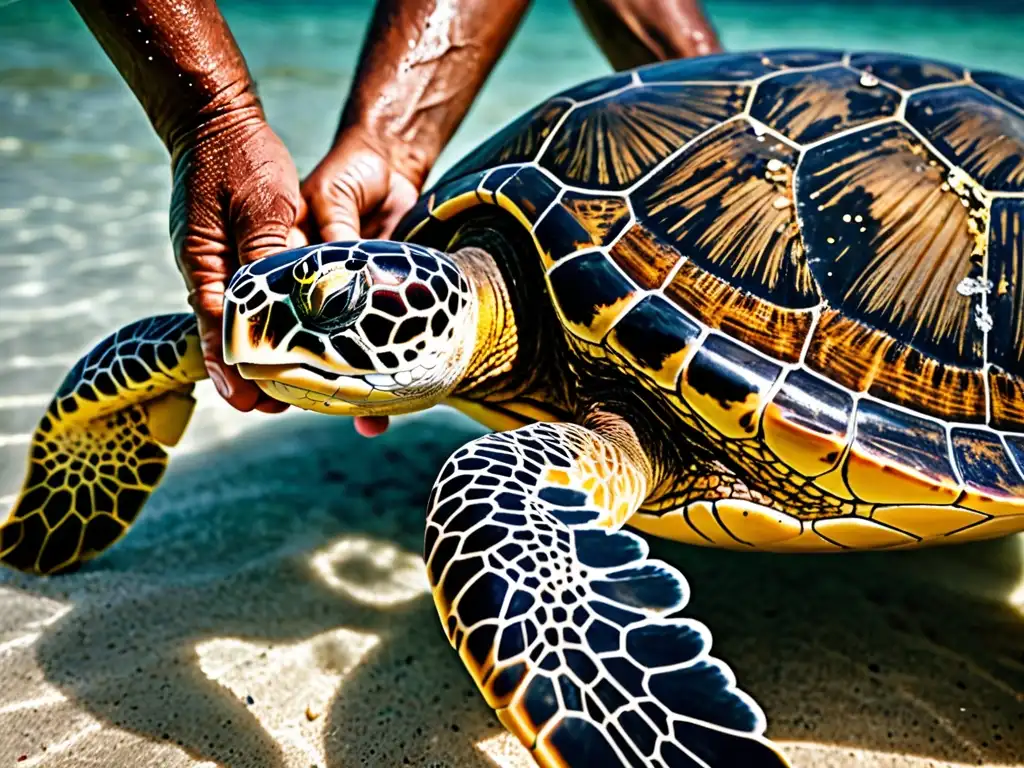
84 183
303 55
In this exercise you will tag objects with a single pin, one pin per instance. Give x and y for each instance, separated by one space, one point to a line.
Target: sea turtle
765 301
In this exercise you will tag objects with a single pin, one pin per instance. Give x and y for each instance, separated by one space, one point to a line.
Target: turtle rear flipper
97 452
568 628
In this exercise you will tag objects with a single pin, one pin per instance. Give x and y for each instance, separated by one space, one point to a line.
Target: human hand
235 200
356 191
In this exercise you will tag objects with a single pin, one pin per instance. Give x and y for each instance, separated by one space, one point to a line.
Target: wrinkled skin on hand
235 200
356 192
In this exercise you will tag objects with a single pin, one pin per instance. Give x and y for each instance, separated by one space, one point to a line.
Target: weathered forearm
422 64
636 32
178 57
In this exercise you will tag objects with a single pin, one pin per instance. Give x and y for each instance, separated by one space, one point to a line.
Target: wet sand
269 609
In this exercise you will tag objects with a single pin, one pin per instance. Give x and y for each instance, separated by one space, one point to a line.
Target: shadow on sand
900 653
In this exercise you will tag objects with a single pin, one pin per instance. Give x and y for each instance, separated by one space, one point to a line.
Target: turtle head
363 328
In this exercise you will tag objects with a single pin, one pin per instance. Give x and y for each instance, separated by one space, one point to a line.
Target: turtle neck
497 340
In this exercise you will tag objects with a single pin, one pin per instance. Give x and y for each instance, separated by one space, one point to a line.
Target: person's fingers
206 300
264 219
341 192
201 261
298 236
402 197
371 426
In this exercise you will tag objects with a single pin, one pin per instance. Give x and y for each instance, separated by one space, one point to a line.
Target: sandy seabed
270 609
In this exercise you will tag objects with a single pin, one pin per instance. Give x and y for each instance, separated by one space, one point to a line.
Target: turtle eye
333 302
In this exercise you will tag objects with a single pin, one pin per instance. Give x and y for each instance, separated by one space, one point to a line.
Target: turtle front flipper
97 452
567 627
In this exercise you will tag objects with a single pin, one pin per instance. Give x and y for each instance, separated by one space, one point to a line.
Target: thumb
265 223
207 300
339 199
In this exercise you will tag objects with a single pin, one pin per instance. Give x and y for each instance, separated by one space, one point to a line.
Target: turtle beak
314 389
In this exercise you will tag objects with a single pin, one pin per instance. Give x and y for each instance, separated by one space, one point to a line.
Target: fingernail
220 381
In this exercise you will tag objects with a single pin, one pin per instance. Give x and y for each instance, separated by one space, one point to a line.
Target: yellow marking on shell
643 257
877 480
736 419
605 318
674 526
988 138
807 542
833 482
411 234
990 529
833 337
168 416
769 328
1007 398
671 525
701 515
486 195
983 459
898 374
989 505
455 205
860 533
666 375
927 521
599 216
757 524
806 450
504 201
